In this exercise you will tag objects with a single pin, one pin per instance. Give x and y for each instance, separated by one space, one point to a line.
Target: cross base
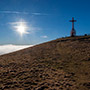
73 33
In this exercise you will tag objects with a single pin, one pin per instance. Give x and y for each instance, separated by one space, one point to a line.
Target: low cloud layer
4 49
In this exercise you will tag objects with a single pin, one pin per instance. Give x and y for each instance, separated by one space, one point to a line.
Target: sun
21 27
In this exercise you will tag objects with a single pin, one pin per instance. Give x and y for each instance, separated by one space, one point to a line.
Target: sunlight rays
21 27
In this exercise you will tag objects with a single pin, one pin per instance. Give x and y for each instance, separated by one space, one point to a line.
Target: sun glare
21 27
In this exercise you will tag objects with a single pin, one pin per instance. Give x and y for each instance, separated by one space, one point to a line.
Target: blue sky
46 19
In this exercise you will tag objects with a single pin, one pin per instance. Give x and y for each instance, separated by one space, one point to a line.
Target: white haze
4 49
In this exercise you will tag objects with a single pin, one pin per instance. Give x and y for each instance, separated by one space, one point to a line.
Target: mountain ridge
61 64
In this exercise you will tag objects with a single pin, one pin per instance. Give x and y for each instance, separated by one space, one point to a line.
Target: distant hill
61 64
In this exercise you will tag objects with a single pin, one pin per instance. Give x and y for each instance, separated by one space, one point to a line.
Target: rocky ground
61 64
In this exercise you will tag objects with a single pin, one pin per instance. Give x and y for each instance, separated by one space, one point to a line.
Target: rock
87 85
42 87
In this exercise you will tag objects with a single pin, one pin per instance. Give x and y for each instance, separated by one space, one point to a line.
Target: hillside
61 64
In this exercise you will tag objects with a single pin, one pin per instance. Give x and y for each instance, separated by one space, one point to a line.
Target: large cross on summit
73 32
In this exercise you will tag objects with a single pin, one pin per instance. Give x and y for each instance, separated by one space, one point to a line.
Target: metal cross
73 32
72 22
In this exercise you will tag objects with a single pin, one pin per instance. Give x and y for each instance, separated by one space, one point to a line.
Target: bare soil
61 64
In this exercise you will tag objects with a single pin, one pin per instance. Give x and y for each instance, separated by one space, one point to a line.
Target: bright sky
37 21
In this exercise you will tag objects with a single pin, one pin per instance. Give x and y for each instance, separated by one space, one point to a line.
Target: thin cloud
10 12
38 14
4 49
18 12
44 36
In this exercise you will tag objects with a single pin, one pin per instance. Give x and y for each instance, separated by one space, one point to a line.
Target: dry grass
62 64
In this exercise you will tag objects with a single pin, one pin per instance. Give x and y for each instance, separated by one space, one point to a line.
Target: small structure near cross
73 32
